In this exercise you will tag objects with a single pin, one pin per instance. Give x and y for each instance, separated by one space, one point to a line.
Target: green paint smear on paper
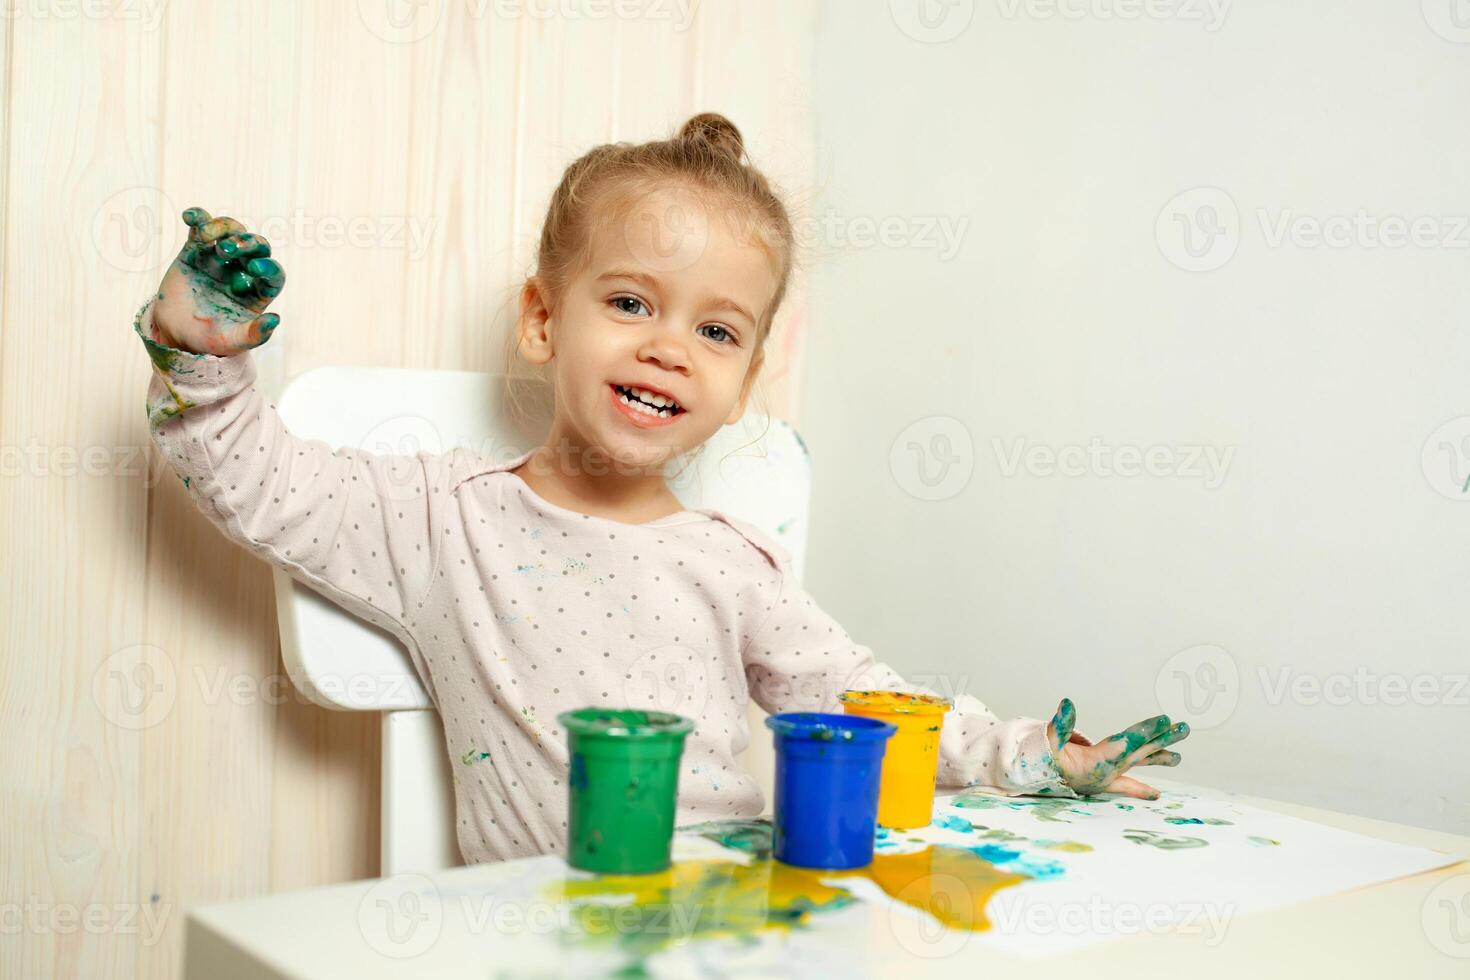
1163 841
1050 811
1263 842
1207 821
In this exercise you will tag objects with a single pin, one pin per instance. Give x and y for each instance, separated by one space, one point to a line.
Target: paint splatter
1163 841
1018 862
1050 811
707 899
1207 821
473 756
951 822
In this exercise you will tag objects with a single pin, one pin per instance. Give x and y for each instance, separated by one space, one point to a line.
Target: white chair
395 411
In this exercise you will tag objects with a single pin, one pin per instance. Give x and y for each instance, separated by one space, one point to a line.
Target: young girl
528 588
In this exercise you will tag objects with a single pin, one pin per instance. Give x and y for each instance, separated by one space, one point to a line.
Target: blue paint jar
827 773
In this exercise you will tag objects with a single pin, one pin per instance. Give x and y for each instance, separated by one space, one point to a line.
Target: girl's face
668 305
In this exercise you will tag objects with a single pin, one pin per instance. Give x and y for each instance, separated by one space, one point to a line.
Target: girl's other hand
212 296
1089 768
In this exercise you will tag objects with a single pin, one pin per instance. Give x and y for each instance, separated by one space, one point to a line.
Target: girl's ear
534 324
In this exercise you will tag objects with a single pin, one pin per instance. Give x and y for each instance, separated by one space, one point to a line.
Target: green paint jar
622 787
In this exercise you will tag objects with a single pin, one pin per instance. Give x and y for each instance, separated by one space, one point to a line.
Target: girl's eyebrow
651 282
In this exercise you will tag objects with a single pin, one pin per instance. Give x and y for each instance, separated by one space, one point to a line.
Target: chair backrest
756 470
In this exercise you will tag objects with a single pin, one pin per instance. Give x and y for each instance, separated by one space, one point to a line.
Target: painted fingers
238 261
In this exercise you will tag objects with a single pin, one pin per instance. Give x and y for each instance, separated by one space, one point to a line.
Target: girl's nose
666 350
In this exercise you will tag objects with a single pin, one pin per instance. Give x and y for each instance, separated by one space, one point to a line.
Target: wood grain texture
154 754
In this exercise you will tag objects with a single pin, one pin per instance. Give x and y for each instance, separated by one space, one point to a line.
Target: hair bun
716 131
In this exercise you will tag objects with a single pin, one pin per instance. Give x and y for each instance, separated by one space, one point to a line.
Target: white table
1402 928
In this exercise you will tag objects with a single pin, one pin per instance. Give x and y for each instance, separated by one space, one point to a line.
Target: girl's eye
618 301
724 333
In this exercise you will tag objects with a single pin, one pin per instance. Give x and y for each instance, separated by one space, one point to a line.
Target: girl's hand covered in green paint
1099 768
211 297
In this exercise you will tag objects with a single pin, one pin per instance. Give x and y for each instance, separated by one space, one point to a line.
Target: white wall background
1332 550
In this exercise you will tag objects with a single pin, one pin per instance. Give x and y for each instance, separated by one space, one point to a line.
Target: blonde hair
707 157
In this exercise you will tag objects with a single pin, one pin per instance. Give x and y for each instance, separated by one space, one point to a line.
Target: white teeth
638 406
648 402
649 396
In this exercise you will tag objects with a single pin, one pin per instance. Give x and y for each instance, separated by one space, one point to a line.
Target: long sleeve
801 659
354 526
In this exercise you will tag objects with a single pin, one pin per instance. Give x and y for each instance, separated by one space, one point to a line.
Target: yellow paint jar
906 787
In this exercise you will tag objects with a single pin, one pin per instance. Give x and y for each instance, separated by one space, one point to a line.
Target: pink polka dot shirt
514 609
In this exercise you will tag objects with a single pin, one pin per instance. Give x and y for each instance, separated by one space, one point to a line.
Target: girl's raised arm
359 528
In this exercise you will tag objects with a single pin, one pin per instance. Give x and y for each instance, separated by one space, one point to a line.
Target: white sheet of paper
1180 863
1093 870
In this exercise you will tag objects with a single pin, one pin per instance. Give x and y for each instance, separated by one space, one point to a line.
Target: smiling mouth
637 404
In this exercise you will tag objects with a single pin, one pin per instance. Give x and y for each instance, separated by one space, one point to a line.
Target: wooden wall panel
153 755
